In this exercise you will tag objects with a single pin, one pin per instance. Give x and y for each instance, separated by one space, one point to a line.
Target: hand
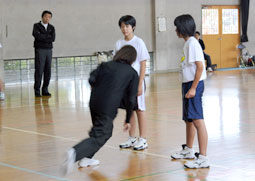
140 90
191 93
126 127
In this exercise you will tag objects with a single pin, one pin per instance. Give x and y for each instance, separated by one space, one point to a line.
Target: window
230 21
210 21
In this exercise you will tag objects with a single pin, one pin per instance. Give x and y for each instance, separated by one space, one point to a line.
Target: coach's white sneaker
67 166
201 161
129 143
86 162
141 144
185 153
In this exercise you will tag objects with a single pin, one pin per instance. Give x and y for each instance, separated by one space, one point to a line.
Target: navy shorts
192 108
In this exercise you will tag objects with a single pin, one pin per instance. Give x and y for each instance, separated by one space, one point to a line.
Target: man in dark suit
44 34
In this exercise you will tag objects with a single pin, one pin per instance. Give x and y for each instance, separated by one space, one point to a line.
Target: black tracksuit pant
43 58
99 135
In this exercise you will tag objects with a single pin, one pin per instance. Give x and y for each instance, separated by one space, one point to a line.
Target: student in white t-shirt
2 96
192 75
127 25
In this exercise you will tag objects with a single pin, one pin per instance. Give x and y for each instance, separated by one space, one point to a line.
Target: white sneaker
141 144
2 96
185 153
209 69
129 143
201 161
68 164
85 162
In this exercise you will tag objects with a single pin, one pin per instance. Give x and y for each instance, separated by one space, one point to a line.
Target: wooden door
221 34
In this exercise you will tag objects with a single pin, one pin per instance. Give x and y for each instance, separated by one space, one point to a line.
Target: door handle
219 38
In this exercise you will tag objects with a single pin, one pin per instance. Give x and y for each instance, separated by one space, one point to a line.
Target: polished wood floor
35 133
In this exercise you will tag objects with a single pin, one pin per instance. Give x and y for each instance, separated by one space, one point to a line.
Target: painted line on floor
33 171
41 134
65 105
148 175
76 140
175 172
112 147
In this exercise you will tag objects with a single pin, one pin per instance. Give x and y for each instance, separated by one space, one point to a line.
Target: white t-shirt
142 54
192 53
45 25
139 45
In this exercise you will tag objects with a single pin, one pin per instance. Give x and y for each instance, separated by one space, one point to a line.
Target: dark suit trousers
43 58
208 61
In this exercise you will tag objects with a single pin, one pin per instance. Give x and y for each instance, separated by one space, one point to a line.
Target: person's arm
43 37
52 36
131 97
141 77
142 56
37 34
202 44
192 91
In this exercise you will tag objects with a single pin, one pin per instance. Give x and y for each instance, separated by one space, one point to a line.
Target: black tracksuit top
112 82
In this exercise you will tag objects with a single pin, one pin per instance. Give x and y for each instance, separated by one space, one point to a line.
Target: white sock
133 138
202 156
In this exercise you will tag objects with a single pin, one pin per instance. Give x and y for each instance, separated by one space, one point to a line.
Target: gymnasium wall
168 46
82 27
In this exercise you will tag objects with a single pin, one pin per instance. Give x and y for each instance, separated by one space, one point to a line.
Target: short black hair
46 12
197 32
185 25
128 20
127 54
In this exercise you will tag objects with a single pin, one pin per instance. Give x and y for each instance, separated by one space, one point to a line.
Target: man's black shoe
38 95
46 94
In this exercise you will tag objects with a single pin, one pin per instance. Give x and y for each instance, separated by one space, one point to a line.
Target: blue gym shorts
192 108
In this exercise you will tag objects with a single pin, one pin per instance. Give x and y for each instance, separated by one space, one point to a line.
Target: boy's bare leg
202 135
190 134
133 125
142 123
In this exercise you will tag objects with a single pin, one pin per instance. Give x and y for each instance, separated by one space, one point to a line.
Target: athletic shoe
2 96
141 144
85 162
209 69
185 153
129 143
201 161
67 166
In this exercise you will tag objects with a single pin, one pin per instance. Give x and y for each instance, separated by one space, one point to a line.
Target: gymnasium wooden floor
35 133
